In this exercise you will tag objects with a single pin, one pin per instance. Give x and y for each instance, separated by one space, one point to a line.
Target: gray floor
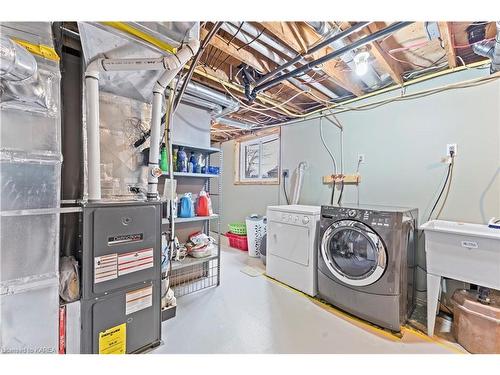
257 315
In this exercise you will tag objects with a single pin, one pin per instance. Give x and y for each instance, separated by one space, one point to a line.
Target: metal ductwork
490 48
371 79
215 109
203 92
16 64
19 73
218 103
233 123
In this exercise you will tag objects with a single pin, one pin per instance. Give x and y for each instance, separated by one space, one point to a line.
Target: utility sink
463 251
460 251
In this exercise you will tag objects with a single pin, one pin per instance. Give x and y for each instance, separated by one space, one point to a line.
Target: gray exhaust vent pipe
490 49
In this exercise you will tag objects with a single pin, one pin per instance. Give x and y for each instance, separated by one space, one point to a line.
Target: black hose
284 190
339 201
333 193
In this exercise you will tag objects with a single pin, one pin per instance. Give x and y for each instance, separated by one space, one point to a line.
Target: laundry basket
256 229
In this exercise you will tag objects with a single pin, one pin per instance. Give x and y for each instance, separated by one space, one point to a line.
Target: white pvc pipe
172 65
154 147
298 182
93 137
133 64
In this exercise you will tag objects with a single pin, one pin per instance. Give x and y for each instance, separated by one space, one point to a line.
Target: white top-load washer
292 235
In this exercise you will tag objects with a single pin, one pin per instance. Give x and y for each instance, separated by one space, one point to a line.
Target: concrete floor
257 315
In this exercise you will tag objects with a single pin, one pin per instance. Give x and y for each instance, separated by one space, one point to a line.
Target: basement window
257 160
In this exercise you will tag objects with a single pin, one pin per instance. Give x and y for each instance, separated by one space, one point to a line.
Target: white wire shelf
190 261
194 175
204 150
178 220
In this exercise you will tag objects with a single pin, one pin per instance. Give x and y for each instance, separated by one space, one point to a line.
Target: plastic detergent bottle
182 162
164 159
192 159
174 159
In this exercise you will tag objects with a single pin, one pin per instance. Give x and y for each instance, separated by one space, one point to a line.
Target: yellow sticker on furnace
113 340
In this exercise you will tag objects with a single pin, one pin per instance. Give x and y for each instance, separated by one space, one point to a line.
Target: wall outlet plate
361 158
451 147
285 172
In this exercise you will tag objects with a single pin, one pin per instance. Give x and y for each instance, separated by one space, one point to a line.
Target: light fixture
361 62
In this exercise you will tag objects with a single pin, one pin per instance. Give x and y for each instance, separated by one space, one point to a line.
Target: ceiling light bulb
361 62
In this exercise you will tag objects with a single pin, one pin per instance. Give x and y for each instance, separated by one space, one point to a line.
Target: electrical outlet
451 147
361 158
285 172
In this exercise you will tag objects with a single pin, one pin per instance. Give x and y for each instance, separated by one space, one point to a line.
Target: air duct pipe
233 123
16 63
371 78
490 49
171 65
298 182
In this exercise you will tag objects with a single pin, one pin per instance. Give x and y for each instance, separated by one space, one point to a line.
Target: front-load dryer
366 261
292 241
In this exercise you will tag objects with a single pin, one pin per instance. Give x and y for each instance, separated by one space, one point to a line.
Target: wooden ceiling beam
290 36
388 64
239 54
446 37
221 76
251 60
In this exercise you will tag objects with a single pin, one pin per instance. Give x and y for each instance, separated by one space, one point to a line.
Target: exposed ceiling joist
241 54
444 30
251 59
291 35
389 65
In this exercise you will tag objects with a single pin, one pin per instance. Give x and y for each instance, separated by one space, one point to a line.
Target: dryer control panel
294 218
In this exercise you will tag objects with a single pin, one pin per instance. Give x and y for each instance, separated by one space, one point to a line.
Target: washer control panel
370 217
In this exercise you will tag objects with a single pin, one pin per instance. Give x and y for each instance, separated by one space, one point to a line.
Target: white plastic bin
256 229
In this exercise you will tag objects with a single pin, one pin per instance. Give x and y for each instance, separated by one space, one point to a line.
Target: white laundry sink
460 251
463 251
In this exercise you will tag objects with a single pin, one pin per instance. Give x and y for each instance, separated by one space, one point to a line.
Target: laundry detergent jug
186 206
202 205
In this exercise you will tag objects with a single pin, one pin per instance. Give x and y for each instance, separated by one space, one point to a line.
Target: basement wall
403 144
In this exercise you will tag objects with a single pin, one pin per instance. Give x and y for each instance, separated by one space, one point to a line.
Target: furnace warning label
138 300
135 261
105 268
113 340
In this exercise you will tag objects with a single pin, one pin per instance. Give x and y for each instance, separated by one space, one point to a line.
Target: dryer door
353 253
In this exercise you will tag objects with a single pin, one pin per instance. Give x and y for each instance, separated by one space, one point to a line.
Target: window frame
239 166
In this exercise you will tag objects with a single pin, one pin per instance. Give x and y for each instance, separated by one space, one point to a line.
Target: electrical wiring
341 107
447 189
450 167
410 74
280 106
471 44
